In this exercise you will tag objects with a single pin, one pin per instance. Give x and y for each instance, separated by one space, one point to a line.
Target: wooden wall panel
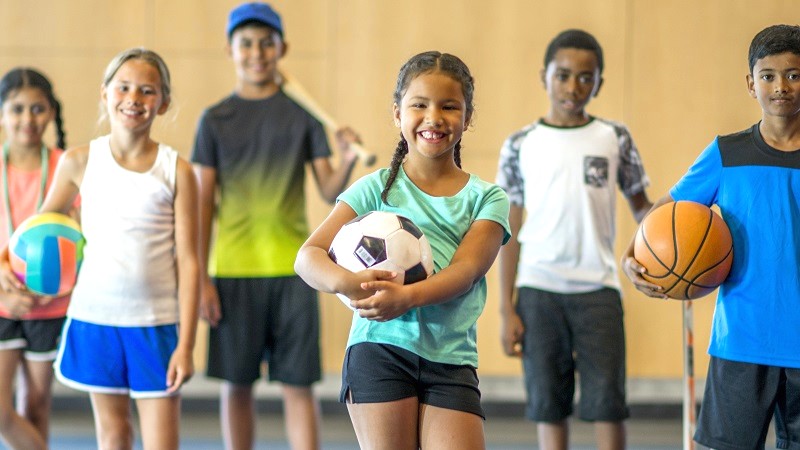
674 74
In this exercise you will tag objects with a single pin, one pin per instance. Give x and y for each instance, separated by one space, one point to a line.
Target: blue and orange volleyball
46 252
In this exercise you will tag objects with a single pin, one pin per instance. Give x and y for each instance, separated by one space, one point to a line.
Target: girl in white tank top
140 274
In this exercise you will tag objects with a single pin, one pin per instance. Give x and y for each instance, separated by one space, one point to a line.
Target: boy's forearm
508 260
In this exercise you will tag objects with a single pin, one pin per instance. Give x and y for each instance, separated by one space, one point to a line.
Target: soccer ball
385 241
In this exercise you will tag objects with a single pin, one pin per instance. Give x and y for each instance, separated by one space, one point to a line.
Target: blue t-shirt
757 188
445 332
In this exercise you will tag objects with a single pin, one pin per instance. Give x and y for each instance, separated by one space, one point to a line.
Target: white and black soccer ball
385 241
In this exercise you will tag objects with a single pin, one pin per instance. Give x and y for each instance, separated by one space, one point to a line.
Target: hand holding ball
686 248
386 241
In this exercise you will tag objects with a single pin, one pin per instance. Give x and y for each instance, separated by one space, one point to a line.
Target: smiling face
432 114
571 79
775 83
26 112
255 50
134 96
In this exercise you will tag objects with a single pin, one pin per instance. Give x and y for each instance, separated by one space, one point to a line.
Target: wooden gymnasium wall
675 74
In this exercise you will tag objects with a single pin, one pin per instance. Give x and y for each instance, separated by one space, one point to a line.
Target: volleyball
45 253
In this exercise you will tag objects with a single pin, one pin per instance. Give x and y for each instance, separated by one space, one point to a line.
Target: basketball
46 252
386 241
686 248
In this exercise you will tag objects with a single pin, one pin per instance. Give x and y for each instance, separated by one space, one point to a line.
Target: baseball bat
298 93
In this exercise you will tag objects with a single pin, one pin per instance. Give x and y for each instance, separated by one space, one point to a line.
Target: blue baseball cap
254 12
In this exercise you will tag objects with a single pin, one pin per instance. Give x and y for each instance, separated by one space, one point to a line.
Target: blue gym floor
73 430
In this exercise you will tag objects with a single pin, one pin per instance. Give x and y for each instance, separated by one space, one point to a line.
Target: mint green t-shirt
446 332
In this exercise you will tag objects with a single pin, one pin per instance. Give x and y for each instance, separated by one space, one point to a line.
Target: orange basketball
686 248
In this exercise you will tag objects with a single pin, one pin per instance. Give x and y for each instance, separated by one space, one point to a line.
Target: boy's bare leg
237 416
609 435
553 435
302 417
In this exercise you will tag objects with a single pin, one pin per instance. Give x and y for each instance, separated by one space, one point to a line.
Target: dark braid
61 136
419 64
397 159
22 77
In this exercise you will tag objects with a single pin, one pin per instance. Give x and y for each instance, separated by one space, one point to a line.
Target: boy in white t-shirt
560 300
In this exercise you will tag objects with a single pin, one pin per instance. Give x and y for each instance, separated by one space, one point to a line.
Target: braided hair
22 77
419 64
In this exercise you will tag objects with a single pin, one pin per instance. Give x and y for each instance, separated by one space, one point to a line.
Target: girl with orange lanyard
30 326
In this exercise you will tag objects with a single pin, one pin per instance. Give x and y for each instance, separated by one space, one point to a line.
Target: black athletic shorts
37 338
565 333
741 399
272 320
377 373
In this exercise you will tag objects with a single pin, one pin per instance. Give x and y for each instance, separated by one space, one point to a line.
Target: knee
117 438
37 407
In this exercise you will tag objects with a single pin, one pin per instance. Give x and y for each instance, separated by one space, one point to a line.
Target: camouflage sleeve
631 176
509 175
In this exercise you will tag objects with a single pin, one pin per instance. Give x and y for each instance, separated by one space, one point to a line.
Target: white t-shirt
128 276
566 180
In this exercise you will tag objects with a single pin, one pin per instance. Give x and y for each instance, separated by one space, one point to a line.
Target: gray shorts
741 399
266 319
568 333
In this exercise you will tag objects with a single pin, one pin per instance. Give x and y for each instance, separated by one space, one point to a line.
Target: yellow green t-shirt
259 149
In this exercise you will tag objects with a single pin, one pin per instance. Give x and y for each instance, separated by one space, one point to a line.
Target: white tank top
128 276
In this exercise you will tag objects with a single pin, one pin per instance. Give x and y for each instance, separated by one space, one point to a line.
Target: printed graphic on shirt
595 171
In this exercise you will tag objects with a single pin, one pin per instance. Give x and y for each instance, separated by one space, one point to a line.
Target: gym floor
649 428
655 422
200 431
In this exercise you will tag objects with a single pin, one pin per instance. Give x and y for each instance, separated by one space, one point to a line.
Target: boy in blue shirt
754 178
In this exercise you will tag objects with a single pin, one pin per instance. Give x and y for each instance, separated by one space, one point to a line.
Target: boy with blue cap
250 154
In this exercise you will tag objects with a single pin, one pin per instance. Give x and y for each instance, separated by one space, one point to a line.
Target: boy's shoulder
227 107
618 128
223 108
748 148
739 137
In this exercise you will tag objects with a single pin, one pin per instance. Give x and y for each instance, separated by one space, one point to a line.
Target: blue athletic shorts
568 333
378 373
37 338
116 360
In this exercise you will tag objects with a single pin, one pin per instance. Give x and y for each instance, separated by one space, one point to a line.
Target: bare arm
632 269
332 181
66 181
640 205
512 328
207 187
181 366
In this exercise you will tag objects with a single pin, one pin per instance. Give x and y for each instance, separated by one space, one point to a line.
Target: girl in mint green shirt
430 324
